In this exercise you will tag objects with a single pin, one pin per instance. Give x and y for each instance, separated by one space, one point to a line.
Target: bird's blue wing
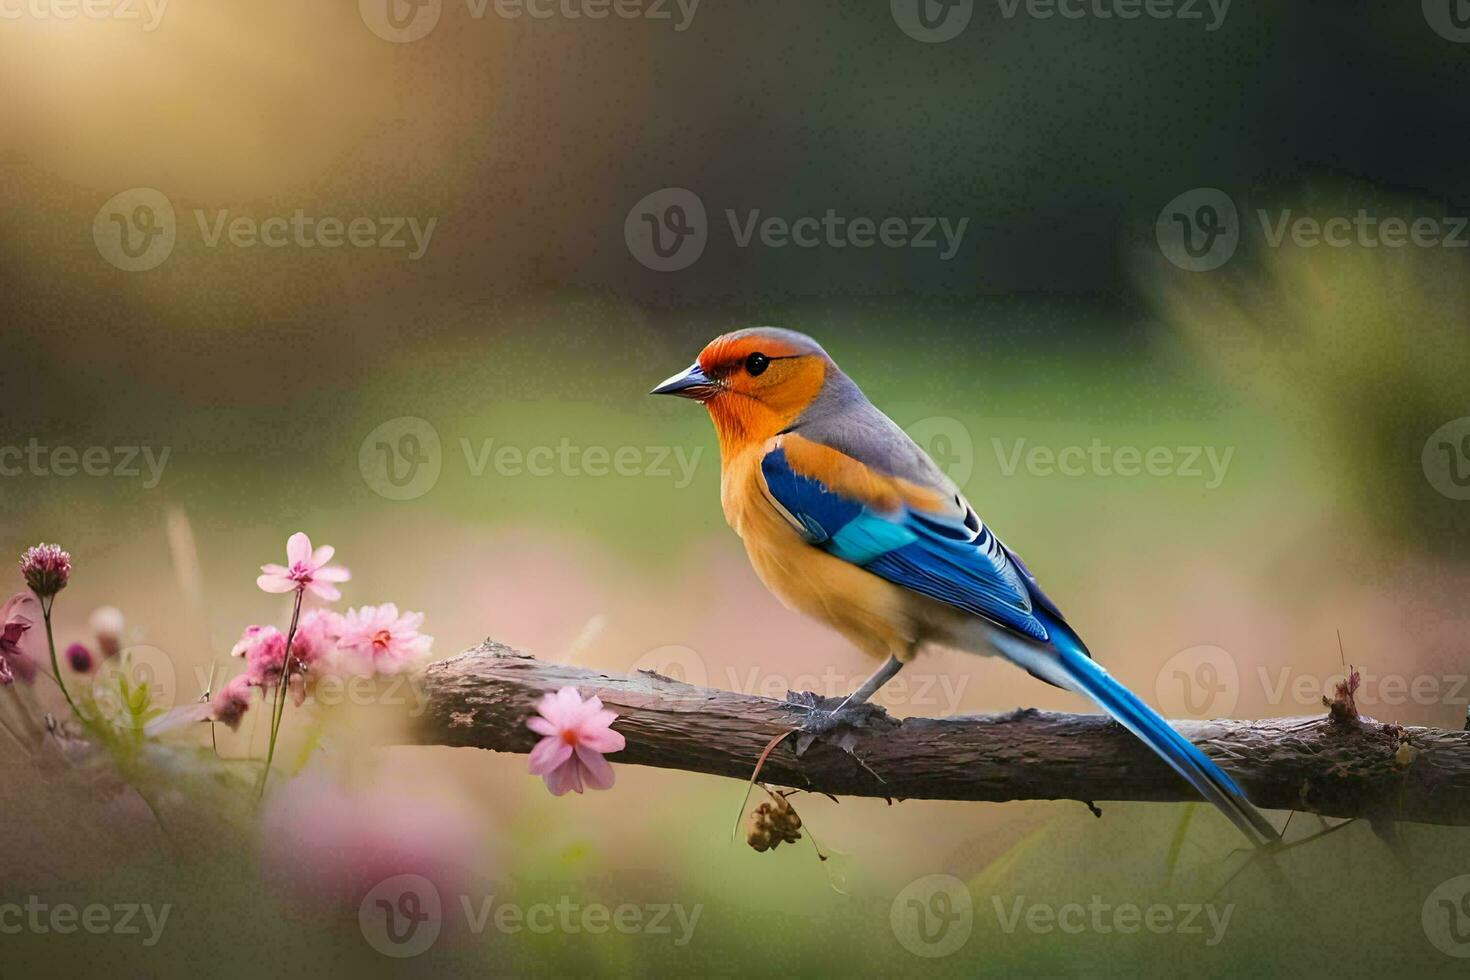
956 560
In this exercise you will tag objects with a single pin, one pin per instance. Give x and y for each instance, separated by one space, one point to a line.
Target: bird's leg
850 710
869 687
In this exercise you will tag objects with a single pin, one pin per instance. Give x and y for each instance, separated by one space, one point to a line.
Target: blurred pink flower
264 650
46 568
324 845
107 625
306 570
20 612
227 706
381 640
577 734
229 703
79 658
316 636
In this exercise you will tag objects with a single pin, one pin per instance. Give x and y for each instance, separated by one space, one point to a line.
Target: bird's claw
833 719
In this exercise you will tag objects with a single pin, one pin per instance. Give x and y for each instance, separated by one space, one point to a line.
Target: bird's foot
836 720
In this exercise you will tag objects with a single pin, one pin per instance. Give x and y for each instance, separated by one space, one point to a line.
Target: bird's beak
692 383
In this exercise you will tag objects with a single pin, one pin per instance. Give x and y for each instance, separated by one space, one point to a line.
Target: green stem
55 666
278 710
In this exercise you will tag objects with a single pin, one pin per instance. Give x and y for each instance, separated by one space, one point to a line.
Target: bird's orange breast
875 615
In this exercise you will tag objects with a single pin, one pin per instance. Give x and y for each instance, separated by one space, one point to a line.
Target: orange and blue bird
846 519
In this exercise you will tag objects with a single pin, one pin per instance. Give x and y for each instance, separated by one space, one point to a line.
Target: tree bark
1353 767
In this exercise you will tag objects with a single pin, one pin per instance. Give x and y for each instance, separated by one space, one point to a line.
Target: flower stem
278 710
55 666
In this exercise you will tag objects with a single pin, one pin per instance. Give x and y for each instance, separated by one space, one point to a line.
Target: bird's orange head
755 383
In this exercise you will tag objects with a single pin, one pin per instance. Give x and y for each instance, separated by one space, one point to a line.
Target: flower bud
46 569
80 658
107 627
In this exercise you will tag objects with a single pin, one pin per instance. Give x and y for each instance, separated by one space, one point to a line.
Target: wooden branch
1356 768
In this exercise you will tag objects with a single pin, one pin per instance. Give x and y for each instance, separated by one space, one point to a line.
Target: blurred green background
281 383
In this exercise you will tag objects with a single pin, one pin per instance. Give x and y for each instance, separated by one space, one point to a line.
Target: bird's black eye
757 363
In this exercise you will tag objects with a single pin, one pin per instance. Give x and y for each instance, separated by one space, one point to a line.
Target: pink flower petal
563 778
549 753
322 555
323 590
541 726
275 583
602 740
335 573
599 774
298 548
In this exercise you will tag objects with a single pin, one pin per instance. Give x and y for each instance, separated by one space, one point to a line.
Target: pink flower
227 706
327 842
382 640
20 612
80 658
107 626
229 703
264 650
46 568
307 569
577 734
316 637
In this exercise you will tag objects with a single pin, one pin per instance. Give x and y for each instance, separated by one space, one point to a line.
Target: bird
848 520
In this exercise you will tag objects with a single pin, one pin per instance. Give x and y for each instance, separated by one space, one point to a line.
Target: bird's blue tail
1066 662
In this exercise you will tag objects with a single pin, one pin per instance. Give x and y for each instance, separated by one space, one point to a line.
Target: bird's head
754 382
